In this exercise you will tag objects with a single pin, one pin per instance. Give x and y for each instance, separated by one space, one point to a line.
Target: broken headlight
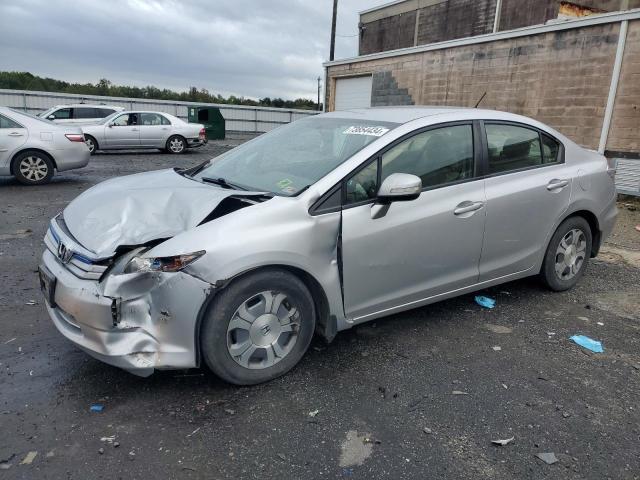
161 264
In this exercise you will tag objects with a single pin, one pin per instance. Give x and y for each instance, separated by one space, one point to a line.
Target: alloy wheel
263 330
570 254
33 168
176 145
91 144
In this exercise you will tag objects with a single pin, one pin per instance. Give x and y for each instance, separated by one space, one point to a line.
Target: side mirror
110 125
51 117
399 187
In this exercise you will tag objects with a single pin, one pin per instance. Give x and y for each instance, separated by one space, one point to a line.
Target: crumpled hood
136 209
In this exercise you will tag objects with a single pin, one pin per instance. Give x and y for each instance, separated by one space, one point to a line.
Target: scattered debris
282 457
505 386
485 302
600 324
496 348
31 302
548 458
314 413
498 328
584 319
28 459
566 414
347 472
588 343
427 430
101 450
551 334
230 411
51 454
371 440
5 466
132 455
108 439
97 407
9 341
504 442
116 444
458 392
354 451
194 432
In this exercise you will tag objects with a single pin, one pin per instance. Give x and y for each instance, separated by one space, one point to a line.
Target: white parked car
32 148
129 130
79 113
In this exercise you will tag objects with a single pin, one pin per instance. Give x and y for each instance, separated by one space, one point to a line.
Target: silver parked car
32 148
79 113
318 226
129 130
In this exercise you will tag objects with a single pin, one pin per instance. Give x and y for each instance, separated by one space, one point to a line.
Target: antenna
481 98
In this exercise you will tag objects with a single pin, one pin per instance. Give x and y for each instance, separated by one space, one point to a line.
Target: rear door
419 248
12 136
528 187
123 131
154 130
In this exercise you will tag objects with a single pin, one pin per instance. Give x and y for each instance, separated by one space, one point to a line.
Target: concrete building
574 67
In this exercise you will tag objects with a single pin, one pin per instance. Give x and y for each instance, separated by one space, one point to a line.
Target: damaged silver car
320 225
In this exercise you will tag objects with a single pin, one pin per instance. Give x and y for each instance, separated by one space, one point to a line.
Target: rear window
105 112
85 112
8 123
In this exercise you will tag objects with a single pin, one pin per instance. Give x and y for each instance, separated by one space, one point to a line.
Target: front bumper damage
138 322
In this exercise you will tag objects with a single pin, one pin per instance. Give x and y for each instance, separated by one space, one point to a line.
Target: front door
528 190
420 248
123 131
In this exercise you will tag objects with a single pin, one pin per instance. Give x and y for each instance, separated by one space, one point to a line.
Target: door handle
466 207
557 184
15 134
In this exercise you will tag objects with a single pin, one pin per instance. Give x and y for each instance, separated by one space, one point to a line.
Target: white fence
237 117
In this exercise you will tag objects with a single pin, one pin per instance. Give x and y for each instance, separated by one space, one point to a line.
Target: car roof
409 113
89 105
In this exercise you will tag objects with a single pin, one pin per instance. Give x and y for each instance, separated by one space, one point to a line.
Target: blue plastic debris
485 302
588 343
97 407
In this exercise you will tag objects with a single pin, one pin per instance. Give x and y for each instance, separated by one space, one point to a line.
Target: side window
104 112
363 185
165 120
8 123
84 112
512 148
550 149
61 114
126 119
150 119
438 156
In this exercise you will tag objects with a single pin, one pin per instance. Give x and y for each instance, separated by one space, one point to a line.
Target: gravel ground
417 395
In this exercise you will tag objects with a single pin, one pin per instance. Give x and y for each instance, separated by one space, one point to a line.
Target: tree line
104 87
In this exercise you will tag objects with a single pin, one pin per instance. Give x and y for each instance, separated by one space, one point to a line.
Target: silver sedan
132 130
315 227
32 148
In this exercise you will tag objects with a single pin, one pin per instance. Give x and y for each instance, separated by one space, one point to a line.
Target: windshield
290 158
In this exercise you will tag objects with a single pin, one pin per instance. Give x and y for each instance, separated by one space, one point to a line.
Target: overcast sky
251 48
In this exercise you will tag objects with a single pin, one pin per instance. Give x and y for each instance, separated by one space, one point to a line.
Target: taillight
75 137
203 134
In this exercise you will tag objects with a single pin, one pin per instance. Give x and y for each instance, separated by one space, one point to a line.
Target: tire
32 167
176 144
223 345
561 271
92 143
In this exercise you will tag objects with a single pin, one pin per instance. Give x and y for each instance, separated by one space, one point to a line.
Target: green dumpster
212 120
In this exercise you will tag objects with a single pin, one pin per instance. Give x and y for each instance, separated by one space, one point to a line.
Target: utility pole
319 93
333 31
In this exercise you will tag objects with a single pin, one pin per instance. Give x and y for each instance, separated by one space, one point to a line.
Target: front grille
79 265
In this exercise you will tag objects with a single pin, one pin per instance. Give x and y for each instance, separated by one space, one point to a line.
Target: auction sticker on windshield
370 131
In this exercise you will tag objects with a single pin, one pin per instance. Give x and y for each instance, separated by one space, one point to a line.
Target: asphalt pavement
421 394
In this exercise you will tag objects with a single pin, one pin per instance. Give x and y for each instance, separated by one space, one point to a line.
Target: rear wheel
92 143
176 144
258 328
567 254
32 168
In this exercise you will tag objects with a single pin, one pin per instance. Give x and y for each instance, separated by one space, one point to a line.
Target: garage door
353 93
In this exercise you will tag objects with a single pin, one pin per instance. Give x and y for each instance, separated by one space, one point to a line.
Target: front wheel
91 143
176 144
567 254
258 328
